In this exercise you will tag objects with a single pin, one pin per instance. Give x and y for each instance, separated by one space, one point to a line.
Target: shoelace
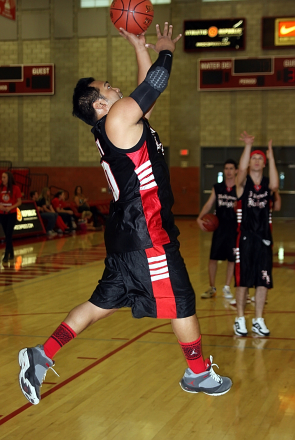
214 375
51 368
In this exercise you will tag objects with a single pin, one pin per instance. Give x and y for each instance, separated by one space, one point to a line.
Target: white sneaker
226 292
259 327
240 328
51 234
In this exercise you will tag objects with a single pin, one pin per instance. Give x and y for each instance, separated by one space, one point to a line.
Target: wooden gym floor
119 379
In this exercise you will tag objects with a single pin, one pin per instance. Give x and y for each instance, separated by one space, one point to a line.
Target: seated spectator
45 203
49 216
60 206
83 206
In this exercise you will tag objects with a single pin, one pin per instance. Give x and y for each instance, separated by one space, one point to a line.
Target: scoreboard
247 73
27 79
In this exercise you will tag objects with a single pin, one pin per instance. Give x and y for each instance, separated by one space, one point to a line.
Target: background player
144 269
224 237
254 241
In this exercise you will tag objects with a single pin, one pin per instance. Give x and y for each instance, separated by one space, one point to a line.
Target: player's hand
201 224
165 41
138 41
269 152
247 138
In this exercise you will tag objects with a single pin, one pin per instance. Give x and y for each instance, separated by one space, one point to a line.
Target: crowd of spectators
61 217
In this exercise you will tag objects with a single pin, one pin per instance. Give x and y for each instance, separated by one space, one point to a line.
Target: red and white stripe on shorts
162 288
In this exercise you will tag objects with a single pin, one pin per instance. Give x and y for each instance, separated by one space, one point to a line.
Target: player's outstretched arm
123 117
206 208
244 162
273 172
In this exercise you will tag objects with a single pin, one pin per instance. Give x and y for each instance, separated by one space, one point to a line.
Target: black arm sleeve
155 81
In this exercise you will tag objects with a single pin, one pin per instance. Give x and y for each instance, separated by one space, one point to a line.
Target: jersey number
111 180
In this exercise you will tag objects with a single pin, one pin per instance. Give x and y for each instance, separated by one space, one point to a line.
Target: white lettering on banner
247 81
210 66
111 180
40 71
24 226
289 63
226 65
3 87
29 213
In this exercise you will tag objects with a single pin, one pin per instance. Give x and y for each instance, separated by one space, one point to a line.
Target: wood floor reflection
119 379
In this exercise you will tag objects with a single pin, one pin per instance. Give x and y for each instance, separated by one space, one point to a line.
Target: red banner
7 9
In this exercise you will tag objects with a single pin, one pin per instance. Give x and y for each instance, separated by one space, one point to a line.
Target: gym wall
39 131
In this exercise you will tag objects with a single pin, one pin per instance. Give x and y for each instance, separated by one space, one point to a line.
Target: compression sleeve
155 81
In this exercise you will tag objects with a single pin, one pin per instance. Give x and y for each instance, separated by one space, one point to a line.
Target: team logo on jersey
6 197
228 189
159 144
265 276
257 187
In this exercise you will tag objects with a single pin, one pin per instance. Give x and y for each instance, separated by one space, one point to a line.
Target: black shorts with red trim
224 243
153 282
253 266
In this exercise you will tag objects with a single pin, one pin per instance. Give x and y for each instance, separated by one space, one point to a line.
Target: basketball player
224 237
144 269
254 240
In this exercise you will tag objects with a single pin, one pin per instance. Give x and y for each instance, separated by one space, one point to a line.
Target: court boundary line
78 374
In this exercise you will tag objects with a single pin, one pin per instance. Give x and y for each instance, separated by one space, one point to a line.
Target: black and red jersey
226 198
140 214
254 209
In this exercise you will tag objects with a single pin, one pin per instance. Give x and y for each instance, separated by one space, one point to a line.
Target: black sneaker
33 368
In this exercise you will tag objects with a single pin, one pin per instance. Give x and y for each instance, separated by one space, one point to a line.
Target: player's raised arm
143 58
128 111
244 162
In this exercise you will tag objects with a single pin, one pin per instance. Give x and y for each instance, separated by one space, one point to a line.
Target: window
220 177
106 3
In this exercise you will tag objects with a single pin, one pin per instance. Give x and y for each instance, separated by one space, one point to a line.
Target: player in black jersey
143 268
254 240
224 237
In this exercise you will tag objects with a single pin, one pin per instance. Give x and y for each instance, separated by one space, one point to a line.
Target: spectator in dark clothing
10 199
49 216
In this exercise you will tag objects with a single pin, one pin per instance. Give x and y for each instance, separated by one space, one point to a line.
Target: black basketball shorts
153 282
253 266
223 244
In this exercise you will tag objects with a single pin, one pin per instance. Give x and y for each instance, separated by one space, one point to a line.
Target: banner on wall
7 9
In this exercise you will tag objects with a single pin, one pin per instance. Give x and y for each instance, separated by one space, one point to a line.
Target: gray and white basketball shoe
207 382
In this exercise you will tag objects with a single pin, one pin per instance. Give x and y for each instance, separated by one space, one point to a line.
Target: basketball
134 16
211 222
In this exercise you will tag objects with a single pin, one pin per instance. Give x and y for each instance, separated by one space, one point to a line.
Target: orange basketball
211 222
134 16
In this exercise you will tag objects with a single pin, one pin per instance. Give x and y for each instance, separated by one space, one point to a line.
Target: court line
75 376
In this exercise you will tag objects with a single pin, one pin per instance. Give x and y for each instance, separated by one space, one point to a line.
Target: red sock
62 335
193 354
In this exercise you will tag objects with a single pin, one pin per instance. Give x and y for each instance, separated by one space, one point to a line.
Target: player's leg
212 270
229 275
36 361
240 328
258 324
200 376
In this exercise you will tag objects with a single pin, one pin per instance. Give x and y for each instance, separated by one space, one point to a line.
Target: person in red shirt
60 206
10 199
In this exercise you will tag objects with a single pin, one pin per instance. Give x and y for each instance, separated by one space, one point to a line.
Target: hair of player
83 98
58 194
32 193
231 162
10 182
